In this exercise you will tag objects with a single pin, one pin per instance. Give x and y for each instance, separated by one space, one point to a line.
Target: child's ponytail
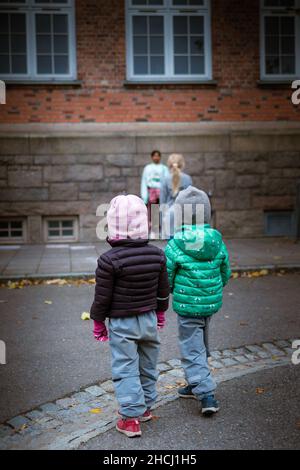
176 164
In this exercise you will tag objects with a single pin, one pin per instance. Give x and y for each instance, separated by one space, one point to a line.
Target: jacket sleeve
103 289
163 191
144 188
171 264
225 266
163 291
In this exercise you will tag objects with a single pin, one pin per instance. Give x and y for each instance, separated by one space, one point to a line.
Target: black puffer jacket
131 279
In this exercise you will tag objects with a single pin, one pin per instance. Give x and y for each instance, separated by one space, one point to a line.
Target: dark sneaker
186 392
210 406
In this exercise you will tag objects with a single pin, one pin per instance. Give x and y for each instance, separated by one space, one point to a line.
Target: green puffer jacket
198 269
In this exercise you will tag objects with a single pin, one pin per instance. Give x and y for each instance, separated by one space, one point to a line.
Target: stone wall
247 170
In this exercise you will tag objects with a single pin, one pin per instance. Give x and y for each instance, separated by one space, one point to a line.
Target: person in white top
153 174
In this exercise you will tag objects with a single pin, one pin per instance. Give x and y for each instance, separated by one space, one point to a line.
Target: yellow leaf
96 411
235 275
264 272
48 302
85 316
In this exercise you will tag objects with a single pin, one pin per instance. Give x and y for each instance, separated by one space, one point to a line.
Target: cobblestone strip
73 420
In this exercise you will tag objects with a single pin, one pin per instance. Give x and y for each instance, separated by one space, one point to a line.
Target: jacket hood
199 241
127 217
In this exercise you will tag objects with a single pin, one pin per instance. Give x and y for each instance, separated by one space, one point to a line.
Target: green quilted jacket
198 269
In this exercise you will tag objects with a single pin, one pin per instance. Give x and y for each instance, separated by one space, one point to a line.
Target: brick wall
103 97
248 172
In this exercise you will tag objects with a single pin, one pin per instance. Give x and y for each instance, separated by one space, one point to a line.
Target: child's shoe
129 426
210 406
186 392
147 416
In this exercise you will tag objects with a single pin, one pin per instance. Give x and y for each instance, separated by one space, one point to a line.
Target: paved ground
72 421
51 351
247 420
56 260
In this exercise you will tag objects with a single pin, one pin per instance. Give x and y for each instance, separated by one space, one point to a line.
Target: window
280 224
37 40
168 40
61 229
280 39
12 230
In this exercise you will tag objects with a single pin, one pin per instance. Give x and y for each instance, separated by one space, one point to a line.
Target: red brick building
94 85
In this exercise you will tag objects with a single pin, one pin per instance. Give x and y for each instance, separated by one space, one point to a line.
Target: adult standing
171 185
151 181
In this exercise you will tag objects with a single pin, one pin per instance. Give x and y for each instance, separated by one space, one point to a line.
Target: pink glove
161 320
100 331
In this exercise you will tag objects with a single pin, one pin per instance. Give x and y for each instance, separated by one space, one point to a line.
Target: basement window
61 229
12 230
280 224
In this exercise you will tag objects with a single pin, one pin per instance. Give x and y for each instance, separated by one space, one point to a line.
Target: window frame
60 238
30 9
13 240
274 12
168 11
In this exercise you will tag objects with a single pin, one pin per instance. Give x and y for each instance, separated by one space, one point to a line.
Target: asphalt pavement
51 351
258 411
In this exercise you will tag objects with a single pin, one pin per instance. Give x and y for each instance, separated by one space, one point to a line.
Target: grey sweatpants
194 356
134 345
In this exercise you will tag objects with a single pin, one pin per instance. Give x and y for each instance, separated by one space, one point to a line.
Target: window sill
274 83
135 83
77 83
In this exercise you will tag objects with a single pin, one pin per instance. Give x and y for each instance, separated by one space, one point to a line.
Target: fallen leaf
57 282
235 275
260 391
48 302
155 418
96 411
243 323
3 301
85 316
298 425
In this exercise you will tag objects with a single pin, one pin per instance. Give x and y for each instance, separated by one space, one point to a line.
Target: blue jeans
134 345
194 356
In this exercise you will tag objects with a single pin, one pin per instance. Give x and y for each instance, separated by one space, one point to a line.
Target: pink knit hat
127 218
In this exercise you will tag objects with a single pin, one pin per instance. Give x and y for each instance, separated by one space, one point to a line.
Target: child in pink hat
132 291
